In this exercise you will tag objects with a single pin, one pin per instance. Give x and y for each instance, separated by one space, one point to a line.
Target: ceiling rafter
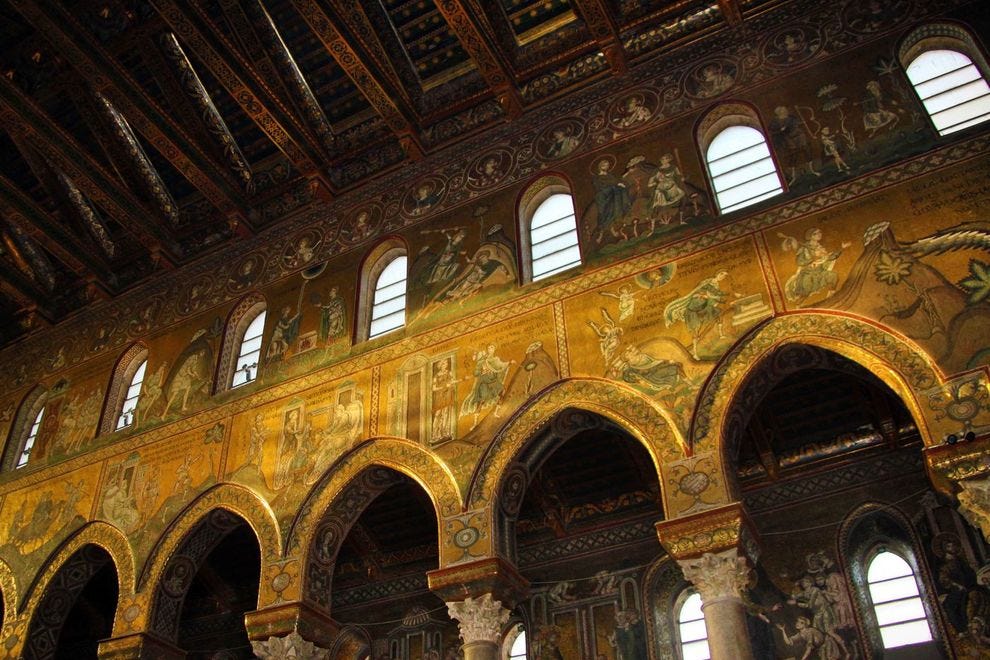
69 200
20 209
274 52
487 58
107 76
243 84
604 30
26 121
368 82
20 287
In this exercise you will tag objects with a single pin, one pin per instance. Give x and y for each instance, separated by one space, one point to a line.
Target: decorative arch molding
405 456
97 533
343 493
641 417
232 498
900 364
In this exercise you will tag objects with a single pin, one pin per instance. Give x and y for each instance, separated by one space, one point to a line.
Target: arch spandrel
640 416
405 456
896 361
231 497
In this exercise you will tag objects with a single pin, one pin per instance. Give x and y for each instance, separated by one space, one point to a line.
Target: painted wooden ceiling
138 135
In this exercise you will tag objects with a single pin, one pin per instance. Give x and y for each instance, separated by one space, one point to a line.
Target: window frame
713 124
31 407
942 36
239 320
375 263
531 200
909 561
679 603
120 383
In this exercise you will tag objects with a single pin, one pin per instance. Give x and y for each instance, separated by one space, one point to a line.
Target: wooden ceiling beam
109 78
604 30
245 86
267 49
24 292
26 121
369 83
17 208
487 58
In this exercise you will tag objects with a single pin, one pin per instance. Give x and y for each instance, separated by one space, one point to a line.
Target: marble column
480 621
722 580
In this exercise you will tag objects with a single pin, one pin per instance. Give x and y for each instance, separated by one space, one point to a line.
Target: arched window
515 644
953 90
741 169
549 232
949 73
382 304
691 631
246 368
24 431
32 435
897 606
128 409
125 389
240 359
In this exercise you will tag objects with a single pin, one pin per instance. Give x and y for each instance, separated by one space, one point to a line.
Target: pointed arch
898 363
320 526
98 533
641 417
411 459
233 498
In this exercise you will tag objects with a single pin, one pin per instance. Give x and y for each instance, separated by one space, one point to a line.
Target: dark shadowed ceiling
137 135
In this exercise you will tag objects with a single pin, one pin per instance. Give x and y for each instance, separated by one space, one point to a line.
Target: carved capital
718 576
479 619
712 531
974 503
291 646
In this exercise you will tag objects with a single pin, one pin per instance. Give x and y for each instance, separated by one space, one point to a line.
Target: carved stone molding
479 619
718 576
290 646
493 577
950 464
287 619
974 503
713 531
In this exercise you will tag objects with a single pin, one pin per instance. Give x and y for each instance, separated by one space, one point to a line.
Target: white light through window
246 369
518 649
741 168
32 435
692 630
388 309
954 92
896 601
126 417
553 237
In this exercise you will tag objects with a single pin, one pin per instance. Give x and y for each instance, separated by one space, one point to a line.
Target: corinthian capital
290 646
479 619
974 503
718 576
